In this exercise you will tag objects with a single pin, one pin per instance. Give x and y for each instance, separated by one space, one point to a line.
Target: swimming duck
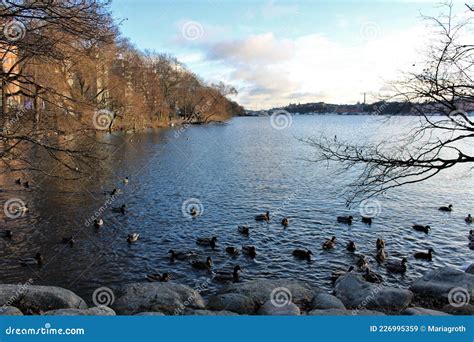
133 237
37 260
26 185
367 220
249 251
18 181
449 208
302 254
233 276
351 246
330 244
372 277
181 255
420 228
211 242
264 217
362 263
120 209
345 219
470 237
244 230
158 277
380 244
381 255
469 219
98 223
6 234
202 265
285 222
339 273
68 241
125 181
22 209
232 251
113 192
193 212
425 256
398 266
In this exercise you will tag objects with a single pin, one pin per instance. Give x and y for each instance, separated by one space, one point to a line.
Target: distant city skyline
280 52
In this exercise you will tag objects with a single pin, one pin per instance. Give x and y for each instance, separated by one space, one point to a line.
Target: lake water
235 171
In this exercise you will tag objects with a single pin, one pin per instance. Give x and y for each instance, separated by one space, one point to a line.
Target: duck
367 220
211 242
98 223
469 219
133 237
244 230
158 277
351 246
26 185
113 192
362 263
193 212
380 243
372 277
202 265
471 235
285 222
249 251
18 181
381 255
449 208
120 209
339 273
264 217
330 244
68 241
37 260
425 256
6 234
125 181
181 255
22 209
397 266
232 251
302 254
233 276
420 228
345 219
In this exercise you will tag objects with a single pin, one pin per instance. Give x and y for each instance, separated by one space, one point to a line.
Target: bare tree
441 95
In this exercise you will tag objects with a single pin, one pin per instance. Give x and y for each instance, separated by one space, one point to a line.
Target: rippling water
236 171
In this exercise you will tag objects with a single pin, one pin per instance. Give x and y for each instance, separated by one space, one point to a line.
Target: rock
208 313
95 311
40 298
470 269
323 301
417 311
10 311
436 286
169 298
271 309
234 302
282 290
341 312
358 294
150 314
465 310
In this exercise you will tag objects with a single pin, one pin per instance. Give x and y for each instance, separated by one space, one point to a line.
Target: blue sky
276 52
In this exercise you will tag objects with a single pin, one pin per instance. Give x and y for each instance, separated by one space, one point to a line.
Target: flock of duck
362 264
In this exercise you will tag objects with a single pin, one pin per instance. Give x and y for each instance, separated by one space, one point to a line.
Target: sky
280 52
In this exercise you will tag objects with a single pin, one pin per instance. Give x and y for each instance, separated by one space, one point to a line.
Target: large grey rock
358 294
465 310
260 291
208 313
440 286
169 298
417 311
272 309
10 311
470 269
156 313
323 301
94 311
342 312
40 298
234 302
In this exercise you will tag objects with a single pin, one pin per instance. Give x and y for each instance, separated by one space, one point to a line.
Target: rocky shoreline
444 291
